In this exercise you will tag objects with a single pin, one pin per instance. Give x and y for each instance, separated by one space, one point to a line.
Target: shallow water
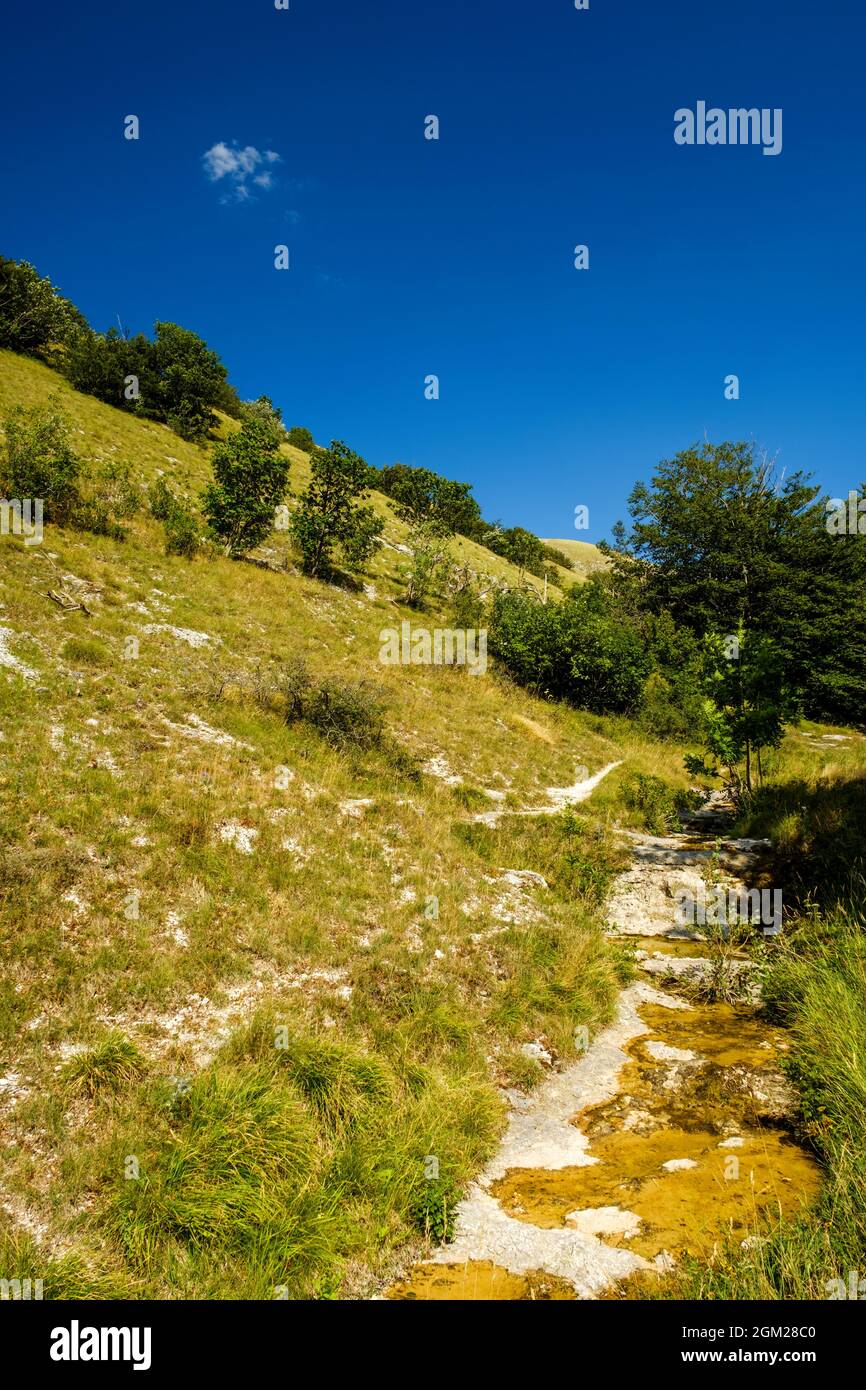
694 1147
693 1144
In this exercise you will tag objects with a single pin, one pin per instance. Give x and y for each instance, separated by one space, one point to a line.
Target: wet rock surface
673 1131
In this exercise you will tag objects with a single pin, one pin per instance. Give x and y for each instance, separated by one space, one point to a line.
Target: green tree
250 481
747 703
329 515
720 538
426 499
189 379
429 563
102 363
269 414
34 316
519 546
582 650
39 459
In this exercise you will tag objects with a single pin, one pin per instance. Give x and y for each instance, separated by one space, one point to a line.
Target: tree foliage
34 316
721 539
39 461
330 514
580 650
250 480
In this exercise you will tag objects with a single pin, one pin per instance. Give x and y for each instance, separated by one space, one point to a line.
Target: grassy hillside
101 432
585 557
253 984
260 994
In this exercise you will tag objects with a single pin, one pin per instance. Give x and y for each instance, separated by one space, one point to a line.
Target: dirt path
670 1133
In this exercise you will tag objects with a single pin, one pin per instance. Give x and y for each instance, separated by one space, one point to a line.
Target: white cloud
239 166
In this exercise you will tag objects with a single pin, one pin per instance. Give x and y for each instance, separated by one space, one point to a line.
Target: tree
251 477
190 378
40 462
329 514
102 364
426 499
270 415
581 650
34 316
519 546
175 378
430 561
720 538
746 704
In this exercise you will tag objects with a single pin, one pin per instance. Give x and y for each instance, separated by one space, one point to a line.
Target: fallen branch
67 603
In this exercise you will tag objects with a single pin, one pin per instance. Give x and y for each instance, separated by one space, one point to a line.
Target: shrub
182 536
346 714
266 413
40 461
432 1209
426 498
582 650
301 438
179 379
660 805
190 378
429 563
112 498
161 500
467 603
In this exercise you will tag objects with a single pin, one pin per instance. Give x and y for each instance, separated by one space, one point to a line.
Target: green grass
110 1065
146 954
186 879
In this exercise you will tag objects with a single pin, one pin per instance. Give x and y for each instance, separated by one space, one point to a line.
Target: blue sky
410 257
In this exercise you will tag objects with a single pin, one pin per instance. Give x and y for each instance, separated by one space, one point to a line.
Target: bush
346 714
182 536
161 500
301 438
467 603
432 1210
266 413
429 563
40 461
112 498
582 650
179 379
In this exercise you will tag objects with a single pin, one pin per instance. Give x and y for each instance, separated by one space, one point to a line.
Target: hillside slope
585 557
216 924
260 992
